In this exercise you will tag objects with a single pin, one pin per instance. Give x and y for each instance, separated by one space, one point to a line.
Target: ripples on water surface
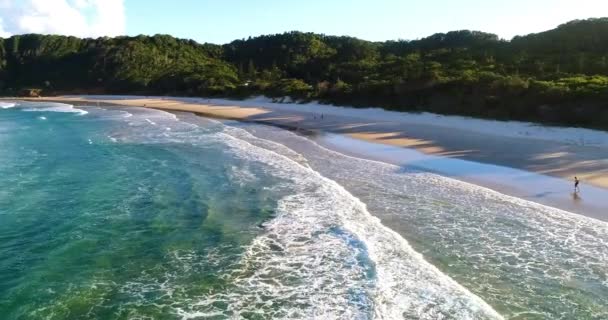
134 214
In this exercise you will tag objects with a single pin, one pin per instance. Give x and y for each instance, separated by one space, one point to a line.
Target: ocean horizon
133 213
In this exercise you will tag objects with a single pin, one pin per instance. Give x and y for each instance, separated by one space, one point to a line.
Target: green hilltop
559 76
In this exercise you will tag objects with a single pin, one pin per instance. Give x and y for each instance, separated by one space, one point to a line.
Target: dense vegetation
558 76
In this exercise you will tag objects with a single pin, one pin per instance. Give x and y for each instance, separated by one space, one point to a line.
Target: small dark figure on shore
321 116
576 183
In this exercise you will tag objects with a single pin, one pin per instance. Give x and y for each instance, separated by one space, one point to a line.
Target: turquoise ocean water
127 213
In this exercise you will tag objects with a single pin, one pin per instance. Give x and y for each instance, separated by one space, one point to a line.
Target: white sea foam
311 253
141 117
55 107
151 116
496 238
311 239
323 255
265 144
242 175
7 105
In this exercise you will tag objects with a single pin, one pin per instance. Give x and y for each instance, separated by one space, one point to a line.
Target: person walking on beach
576 183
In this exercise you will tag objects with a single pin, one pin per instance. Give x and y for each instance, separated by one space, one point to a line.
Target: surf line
381 241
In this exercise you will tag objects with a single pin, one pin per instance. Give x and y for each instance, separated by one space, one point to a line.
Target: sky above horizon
222 21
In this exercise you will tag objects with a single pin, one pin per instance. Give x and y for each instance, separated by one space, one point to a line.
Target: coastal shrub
292 88
564 70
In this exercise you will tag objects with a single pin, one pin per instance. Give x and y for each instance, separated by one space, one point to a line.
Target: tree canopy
558 76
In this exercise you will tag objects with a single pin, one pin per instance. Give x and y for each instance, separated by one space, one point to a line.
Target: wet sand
537 170
551 191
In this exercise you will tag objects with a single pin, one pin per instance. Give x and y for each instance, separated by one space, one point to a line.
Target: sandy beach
553 152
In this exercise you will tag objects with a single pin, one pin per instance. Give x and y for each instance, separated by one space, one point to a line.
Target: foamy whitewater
54 107
6 105
137 213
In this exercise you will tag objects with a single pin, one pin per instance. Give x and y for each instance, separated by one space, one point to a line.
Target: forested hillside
559 76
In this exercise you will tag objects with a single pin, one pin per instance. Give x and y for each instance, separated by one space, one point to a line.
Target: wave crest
56 107
325 255
7 105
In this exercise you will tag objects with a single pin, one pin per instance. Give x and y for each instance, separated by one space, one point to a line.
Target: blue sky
221 21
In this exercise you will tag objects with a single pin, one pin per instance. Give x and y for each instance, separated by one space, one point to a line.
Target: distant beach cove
528 148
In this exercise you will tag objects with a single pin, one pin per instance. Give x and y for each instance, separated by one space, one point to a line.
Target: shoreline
544 190
537 170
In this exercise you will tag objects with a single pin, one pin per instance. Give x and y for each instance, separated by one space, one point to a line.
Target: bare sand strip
559 159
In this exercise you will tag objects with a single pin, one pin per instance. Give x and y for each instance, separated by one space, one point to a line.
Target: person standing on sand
576 182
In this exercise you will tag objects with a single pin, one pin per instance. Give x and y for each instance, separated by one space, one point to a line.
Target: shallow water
135 213
528 261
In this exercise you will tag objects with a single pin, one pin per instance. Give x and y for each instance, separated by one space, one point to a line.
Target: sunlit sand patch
355 126
396 139
393 138
283 119
554 155
596 178
456 154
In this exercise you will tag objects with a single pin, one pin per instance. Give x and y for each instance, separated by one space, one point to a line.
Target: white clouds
83 18
3 33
